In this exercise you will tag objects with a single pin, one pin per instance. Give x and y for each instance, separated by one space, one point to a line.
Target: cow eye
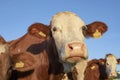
54 29
84 28
107 63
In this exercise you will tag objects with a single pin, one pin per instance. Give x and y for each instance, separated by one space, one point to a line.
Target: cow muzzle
113 74
76 51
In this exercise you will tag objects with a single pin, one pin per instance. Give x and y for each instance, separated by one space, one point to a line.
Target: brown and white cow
5 60
67 31
101 69
57 49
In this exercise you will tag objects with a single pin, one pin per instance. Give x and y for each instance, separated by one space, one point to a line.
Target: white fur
81 66
69 29
111 64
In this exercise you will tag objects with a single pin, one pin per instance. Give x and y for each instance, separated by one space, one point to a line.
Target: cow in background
5 60
57 49
101 69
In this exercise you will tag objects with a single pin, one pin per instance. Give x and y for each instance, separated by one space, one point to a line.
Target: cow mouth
76 58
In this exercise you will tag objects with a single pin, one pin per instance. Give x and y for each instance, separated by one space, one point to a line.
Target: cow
101 69
57 48
39 63
5 60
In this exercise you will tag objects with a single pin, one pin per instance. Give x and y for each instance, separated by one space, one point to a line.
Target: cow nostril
70 47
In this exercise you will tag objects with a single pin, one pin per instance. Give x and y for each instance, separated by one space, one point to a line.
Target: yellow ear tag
97 34
92 67
42 34
19 64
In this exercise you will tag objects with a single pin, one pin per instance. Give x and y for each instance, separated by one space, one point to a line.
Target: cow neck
55 66
52 48
68 66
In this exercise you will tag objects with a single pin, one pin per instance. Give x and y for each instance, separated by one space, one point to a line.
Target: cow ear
24 62
102 61
39 30
118 60
96 29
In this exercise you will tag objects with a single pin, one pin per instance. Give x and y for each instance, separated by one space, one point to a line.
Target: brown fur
34 29
5 60
99 72
91 28
92 71
46 65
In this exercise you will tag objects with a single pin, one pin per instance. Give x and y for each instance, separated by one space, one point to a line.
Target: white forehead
111 59
66 18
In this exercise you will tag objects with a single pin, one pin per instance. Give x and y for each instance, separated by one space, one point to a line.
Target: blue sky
17 15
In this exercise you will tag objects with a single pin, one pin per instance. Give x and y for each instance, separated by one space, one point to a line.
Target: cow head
69 32
111 64
66 28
